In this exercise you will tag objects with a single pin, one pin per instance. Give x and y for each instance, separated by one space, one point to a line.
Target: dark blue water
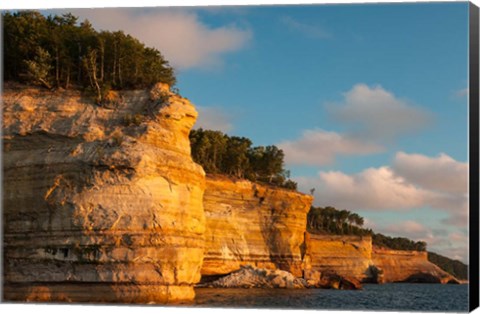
394 297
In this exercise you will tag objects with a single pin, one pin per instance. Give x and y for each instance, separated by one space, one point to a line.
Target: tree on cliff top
57 51
219 153
344 222
39 68
454 267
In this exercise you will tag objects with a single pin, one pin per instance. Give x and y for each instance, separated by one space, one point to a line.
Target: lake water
394 297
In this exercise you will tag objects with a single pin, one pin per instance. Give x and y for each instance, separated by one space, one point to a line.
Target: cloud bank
414 181
451 244
372 117
375 113
442 173
319 147
177 33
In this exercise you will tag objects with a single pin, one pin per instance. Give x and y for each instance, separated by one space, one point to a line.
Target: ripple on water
400 297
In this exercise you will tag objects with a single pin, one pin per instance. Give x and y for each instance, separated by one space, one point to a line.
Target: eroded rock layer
408 266
355 257
253 224
101 204
348 256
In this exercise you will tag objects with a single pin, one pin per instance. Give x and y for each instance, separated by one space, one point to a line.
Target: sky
368 102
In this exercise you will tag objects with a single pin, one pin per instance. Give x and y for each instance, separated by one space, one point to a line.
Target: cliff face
410 266
104 204
100 204
348 256
354 256
252 224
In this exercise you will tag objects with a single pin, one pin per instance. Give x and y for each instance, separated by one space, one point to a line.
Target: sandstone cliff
354 256
253 224
101 204
408 266
348 256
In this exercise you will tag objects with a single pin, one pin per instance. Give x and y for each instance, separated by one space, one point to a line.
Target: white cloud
446 178
414 182
308 30
372 189
457 236
451 244
373 112
398 187
319 147
408 227
213 118
178 33
442 173
373 117
413 230
460 217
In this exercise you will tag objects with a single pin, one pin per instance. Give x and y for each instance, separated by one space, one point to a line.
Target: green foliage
330 220
38 69
333 221
398 243
58 51
219 153
454 267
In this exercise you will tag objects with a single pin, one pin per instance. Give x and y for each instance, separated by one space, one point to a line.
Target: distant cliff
253 224
355 256
408 266
349 256
101 204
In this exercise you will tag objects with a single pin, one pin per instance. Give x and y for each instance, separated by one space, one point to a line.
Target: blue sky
368 101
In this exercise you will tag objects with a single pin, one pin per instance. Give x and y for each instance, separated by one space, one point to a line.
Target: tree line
333 221
454 267
330 220
57 51
234 156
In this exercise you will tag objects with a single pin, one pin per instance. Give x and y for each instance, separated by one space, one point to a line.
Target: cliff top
74 114
235 180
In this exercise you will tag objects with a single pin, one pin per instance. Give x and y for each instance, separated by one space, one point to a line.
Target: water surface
398 297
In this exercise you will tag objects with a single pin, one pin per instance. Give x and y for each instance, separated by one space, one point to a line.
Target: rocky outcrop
101 204
331 280
354 258
253 224
408 266
346 256
252 277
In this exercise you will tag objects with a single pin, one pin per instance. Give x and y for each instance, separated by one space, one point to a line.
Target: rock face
408 266
355 259
250 277
347 256
101 204
253 224
330 280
